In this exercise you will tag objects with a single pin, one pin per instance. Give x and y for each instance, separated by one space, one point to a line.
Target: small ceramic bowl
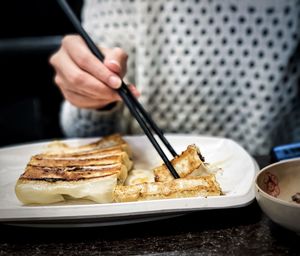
277 190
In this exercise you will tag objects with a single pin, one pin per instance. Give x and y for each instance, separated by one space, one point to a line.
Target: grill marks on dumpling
106 144
75 161
99 159
70 173
89 172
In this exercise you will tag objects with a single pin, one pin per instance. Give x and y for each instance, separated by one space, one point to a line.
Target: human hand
85 81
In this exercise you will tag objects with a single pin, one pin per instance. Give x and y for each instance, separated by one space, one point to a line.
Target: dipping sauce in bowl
277 190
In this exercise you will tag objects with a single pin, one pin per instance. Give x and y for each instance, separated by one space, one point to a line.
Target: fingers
83 79
73 78
85 59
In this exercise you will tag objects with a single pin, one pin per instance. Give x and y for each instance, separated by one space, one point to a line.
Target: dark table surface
240 231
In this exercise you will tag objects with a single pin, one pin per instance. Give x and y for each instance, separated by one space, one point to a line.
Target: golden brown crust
106 143
78 159
185 165
105 151
70 173
183 187
72 161
64 163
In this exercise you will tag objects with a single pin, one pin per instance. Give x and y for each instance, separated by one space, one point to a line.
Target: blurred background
30 31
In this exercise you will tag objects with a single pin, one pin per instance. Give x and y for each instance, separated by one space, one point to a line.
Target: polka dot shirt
210 67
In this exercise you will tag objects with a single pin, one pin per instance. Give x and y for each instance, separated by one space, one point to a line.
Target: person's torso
207 67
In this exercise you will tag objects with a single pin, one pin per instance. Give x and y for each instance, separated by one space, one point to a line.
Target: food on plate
137 176
90 172
189 164
195 180
82 160
103 172
183 187
107 143
53 190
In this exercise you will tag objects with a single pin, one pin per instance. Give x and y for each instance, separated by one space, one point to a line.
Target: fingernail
114 82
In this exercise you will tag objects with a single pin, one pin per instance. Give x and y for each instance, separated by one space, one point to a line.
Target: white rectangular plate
236 181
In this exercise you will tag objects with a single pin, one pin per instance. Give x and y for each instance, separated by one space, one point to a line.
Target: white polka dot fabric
223 68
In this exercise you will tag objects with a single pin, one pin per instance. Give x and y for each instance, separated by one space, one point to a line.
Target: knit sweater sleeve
79 122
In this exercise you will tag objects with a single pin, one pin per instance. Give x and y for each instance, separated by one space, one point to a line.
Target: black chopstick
131 102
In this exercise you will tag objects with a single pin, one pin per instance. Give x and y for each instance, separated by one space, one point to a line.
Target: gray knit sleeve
79 122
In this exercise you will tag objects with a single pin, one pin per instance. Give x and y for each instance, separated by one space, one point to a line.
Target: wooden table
240 231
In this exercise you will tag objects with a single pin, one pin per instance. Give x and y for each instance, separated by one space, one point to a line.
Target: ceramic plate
236 181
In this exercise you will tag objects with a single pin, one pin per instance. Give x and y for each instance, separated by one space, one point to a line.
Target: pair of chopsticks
131 102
